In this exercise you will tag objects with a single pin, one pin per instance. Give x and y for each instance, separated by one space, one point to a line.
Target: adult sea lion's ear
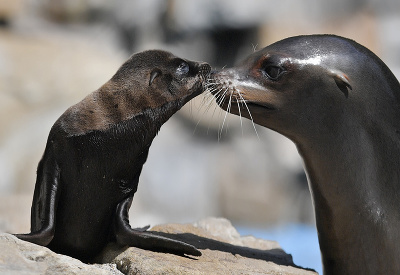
342 81
154 73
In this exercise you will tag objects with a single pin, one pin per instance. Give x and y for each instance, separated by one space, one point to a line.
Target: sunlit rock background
55 52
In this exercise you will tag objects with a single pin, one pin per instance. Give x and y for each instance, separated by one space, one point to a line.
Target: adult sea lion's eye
273 72
183 68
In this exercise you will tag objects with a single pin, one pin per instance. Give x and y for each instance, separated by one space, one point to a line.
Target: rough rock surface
23 258
224 252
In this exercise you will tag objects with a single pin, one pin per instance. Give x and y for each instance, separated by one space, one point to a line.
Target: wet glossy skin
339 104
94 156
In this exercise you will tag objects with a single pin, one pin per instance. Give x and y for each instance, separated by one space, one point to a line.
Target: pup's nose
204 69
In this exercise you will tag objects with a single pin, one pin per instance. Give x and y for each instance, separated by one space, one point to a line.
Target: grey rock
20 257
224 251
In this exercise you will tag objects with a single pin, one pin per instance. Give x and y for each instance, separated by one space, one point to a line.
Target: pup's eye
273 72
183 68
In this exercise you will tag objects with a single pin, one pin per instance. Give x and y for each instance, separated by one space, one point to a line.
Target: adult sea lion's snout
237 92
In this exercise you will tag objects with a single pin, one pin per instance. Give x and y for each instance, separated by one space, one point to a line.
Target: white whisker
240 115
251 117
254 47
207 104
226 114
219 94
229 110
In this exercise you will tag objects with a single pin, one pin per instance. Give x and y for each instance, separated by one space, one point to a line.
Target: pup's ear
154 73
342 81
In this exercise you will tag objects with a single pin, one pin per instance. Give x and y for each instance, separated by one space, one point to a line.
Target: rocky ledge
224 252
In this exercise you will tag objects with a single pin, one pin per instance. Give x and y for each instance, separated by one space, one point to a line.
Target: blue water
297 239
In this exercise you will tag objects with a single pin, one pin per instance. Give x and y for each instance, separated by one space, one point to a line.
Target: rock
224 251
20 257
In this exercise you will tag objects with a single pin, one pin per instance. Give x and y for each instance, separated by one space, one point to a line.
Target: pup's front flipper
125 235
45 200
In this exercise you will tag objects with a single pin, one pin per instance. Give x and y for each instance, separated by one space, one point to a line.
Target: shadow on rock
223 250
276 255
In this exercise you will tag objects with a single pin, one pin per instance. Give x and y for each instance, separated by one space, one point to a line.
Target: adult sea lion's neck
354 189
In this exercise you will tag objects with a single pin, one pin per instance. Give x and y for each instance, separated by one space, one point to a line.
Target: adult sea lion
95 152
339 103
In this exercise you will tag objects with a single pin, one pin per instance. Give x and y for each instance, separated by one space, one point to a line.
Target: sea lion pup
95 152
339 103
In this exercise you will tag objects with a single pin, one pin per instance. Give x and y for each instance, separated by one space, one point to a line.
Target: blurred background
55 52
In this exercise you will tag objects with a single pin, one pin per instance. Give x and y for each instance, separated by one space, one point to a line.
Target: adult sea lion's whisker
212 96
207 96
207 99
229 110
221 98
215 96
251 117
226 113
207 105
240 115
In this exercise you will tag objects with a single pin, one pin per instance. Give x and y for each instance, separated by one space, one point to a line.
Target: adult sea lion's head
306 84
